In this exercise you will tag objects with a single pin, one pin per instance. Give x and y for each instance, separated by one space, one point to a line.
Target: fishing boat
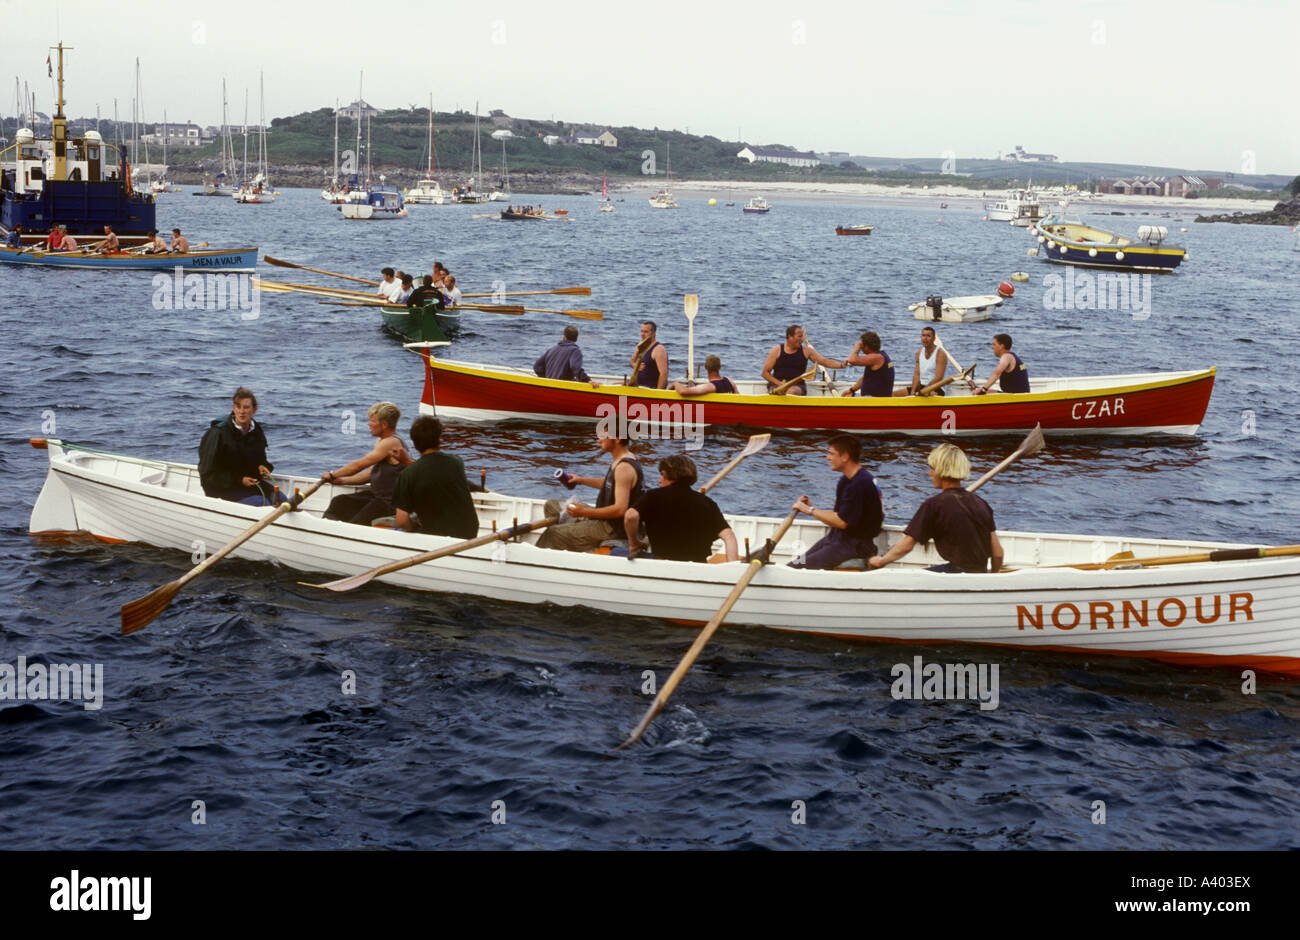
853 230
382 202
427 191
81 182
1233 608
664 198
1021 209
210 260
605 204
956 309
1064 241
757 205
1155 403
427 324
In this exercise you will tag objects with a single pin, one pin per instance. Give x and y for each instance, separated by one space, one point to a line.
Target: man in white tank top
931 364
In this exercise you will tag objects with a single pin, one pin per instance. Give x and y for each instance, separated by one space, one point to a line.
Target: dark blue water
234 695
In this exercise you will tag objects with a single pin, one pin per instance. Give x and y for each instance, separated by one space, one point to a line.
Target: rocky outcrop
1284 213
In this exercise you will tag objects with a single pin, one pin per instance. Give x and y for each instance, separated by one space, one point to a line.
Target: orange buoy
1005 289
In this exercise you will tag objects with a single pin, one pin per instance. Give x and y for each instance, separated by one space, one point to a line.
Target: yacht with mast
467 193
256 191
428 191
664 198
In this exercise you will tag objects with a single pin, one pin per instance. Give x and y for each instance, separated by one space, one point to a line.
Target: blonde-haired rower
960 523
379 468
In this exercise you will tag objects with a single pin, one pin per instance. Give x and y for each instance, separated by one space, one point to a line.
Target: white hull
368 213
959 309
1231 612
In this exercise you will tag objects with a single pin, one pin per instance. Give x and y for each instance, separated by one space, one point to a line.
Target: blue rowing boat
215 259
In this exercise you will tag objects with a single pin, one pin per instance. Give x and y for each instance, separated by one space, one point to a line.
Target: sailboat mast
245 173
430 170
336 142
356 173
261 124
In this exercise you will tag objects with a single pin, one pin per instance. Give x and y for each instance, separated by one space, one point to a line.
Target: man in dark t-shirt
681 523
960 523
855 521
434 488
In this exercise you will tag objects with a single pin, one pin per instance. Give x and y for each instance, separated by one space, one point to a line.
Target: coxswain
858 514
434 488
584 527
931 363
180 244
1011 373
649 361
232 456
109 244
960 523
15 237
789 360
379 469
681 524
715 385
878 369
425 293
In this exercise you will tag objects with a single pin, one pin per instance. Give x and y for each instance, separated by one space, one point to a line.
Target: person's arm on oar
385 447
624 480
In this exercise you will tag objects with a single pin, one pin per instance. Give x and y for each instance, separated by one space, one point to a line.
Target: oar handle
948 381
780 389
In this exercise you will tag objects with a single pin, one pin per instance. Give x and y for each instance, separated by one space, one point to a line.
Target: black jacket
227 455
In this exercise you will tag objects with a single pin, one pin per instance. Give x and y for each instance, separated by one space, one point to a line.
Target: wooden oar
692 302
948 381
340 291
781 389
302 267
140 613
752 568
578 291
357 580
756 443
1222 554
579 314
486 308
1028 447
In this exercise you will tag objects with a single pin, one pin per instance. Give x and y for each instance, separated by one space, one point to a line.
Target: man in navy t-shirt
858 514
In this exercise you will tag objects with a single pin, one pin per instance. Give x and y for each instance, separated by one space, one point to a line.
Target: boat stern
55 510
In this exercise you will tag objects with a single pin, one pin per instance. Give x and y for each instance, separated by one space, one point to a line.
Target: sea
470 723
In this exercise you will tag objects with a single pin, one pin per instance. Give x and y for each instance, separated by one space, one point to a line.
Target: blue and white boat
203 260
756 205
79 182
381 202
1065 241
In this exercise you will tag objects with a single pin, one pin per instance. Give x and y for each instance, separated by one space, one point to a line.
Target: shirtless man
110 244
789 360
179 242
156 246
69 243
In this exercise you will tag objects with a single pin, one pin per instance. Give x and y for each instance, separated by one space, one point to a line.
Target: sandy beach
956 197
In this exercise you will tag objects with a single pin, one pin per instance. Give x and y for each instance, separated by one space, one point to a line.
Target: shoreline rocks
1284 213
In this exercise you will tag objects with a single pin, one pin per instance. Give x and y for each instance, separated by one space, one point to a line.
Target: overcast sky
1193 84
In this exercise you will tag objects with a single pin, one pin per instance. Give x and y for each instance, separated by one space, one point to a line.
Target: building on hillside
1020 155
179 135
591 137
778 155
502 135
358 109
551 140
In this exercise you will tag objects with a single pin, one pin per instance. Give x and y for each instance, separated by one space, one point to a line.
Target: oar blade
756 443
276 262
140 613
1034 442
692 305
343 585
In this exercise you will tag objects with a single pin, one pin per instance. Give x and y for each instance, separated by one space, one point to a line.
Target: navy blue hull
84 207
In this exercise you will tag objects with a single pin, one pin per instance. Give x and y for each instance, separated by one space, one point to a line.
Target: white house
358 107
502 135
1019 155
593 137
774 155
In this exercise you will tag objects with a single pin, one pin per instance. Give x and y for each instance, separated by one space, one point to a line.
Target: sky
1194 84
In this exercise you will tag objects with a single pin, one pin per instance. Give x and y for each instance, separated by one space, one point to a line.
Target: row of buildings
1187 187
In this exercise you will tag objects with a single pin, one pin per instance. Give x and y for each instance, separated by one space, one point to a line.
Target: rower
379 469
1011 373
451 295
585 527
109 244
54 240
682 525
156 246
960 523
716 384
878 373
931 364
434 488
439 274
789 360
408 288
388 285
858 514
180 244
69 243
649 362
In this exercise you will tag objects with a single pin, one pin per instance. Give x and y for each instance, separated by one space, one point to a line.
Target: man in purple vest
650 361
790 360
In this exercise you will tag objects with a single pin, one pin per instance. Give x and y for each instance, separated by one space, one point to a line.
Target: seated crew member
379 468
439 275
682 524
15 237
451 295
232 455
54 240
389 285
180 243
155 245
878 375
434 487
931 364
1011 373
109 243
716 384
563 360
789 360
408 288
69 243
960 523
425 293
620 488
649 362
856 519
